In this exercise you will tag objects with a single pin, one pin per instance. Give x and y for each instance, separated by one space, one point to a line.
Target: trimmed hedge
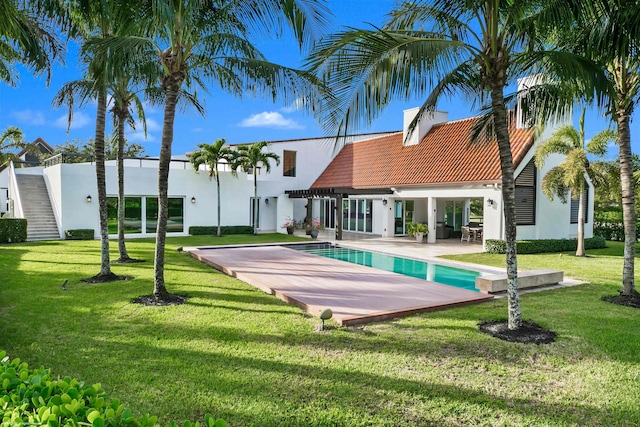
544 245
13 230
612 230
79 234
33 397
225 230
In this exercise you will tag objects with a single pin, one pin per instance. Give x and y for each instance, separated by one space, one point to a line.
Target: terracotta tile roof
444 156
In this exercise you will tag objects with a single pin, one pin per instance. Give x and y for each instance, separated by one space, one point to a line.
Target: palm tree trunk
105 265
580 248
628 213
171 92
255 200
122 248
501 129
218 192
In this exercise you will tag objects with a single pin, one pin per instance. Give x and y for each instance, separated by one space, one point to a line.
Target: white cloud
29 117
137 134
271 119
80 120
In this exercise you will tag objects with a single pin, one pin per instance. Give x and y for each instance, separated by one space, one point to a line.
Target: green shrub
612 229
225 230
79 234
13 230
544 245
33 397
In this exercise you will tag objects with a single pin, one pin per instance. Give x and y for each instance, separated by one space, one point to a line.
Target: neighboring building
375 184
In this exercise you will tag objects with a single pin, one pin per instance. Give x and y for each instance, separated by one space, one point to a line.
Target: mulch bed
528 333
629 301
169 299
106 278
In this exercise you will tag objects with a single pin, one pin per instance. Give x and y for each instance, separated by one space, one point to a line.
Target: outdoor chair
466 234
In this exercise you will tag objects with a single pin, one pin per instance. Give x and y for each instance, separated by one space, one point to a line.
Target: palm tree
570 174
25 39
431 49
203 39
211 155
251 158
12 139
605 31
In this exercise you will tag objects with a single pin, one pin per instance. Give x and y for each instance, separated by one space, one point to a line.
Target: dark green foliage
13 230
544 245
33 397
612 229
225 230
79 234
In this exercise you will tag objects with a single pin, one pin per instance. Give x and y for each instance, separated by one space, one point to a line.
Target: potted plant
312 227
289 224
417 229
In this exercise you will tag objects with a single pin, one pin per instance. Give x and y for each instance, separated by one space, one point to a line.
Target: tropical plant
569 176
417 227
251 159
211 155
206 39
87 148
606 31
12 139
431 49
26 39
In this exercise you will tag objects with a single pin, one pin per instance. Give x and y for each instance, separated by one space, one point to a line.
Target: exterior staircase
36 206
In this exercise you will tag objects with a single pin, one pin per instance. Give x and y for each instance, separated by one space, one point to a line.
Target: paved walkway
356 294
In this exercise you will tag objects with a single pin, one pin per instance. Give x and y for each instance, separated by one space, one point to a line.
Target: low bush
33 397
612 229
225 230
544 245
13 230
79 234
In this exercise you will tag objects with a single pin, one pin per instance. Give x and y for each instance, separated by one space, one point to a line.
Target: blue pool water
458 277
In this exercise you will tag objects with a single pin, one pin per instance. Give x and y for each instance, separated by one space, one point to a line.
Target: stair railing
14 194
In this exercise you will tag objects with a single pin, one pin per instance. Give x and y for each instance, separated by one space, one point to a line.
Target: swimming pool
452 276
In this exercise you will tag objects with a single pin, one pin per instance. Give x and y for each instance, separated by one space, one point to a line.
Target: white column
431 220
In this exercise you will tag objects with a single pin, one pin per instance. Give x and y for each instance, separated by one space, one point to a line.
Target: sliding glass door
403 211
357 215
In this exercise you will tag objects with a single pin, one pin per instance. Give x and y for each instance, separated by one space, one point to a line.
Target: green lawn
247 357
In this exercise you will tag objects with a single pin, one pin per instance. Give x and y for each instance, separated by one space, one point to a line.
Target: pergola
334 193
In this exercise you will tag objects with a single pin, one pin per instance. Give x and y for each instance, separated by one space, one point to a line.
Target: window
175 220
358 215
289 163
254 212
575 204
132 215
327 213
526 195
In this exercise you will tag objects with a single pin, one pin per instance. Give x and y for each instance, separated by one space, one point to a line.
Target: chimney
424 125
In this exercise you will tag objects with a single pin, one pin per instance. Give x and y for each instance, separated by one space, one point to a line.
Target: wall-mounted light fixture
193 199
384 202
490 202
89 198
266 200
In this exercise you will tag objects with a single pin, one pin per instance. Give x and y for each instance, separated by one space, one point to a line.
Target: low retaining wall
526 279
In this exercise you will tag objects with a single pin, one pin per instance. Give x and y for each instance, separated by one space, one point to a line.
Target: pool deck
356 294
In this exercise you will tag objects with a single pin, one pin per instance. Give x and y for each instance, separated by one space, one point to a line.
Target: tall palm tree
211 155
251 159
570 174
26 39
430 49
210 39
606 31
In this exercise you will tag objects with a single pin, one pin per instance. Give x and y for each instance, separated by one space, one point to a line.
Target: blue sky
28 106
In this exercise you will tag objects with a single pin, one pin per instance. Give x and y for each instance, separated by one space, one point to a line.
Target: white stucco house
375 184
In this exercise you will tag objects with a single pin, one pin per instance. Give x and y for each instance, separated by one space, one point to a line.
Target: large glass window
453 213
327 213
358 215
175 220
132 215
289 163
